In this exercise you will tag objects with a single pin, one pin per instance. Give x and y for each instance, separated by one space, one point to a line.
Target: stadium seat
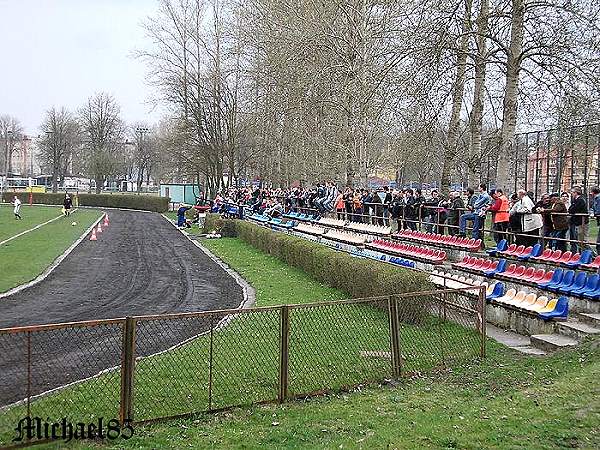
531 252
500 247
528 301
516 251
529 273
507 297
578 283
595 264
590 285
578 260
560 311
567 257
556 278
547 277
497 291
518 298
540 303
537 276
549 306
518 273
567 280
544 256
593 294
499 267
510 250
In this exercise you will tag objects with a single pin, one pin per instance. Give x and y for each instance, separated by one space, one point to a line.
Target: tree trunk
511 91
458 90
479 88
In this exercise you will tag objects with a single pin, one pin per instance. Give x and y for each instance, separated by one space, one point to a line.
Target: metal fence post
210 365
127 370
482 321
284 352
29 374
394 336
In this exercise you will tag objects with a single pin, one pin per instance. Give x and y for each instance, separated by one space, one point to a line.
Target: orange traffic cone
93 236
99 228
106 221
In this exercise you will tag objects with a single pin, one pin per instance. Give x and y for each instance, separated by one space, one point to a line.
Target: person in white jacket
17 205
530 222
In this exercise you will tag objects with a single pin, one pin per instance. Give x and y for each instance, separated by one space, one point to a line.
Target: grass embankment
507 401
24 258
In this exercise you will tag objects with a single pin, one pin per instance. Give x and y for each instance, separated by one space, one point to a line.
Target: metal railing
146 368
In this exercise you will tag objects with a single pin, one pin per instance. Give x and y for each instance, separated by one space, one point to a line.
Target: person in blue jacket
181 222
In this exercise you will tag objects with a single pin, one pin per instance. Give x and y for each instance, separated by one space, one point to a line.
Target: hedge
358 277
127 201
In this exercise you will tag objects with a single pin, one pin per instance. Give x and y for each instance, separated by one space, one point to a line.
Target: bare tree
102 130
60 138
11 133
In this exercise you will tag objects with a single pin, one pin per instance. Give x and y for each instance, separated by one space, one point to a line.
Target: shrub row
127 201
357 276
214 223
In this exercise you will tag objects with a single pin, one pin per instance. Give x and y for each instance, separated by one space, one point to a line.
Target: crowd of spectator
519 218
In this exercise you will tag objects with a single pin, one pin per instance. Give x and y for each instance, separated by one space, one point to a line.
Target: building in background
25 158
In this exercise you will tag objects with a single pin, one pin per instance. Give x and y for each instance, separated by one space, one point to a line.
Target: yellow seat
490 289
518 298
508 296
549 306
540 303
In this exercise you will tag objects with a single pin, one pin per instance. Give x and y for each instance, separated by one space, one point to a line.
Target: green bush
357 276
126 201
213 223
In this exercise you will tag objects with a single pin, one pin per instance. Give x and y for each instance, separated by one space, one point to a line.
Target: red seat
487 265
526 252
555 256
510 250
453 239
473 262
511 269
464 261
519 272
478 264
442 256
547 277
574 259
492 267
538 276
566 257
517 251
546 254
529 272
476 245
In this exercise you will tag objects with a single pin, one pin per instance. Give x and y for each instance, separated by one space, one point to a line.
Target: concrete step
592 319
513 340
576 330
551 342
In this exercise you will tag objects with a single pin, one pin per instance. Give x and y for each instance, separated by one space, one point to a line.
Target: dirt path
140 265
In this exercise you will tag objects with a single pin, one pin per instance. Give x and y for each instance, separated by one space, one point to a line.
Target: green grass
325 347
24 258
32 216
507 401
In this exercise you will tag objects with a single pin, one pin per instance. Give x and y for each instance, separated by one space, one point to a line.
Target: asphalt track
140 265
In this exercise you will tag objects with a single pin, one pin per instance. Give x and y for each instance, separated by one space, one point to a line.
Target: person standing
17 205
477 215
531 222
500 216
455 207
596 211
560 223
578 222
67 204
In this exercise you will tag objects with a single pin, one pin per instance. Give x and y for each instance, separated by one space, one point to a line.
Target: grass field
32 216
507 401
324 349
25 257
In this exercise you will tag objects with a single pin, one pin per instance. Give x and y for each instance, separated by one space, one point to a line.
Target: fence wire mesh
151 367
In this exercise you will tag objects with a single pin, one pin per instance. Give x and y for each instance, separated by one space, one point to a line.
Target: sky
61 52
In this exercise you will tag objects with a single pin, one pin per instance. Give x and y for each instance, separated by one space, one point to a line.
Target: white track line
249 297
32 229
54 264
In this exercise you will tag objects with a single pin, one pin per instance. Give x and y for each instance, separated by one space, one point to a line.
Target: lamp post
4 186
140 176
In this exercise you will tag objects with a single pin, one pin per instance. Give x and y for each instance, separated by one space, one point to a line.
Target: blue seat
382 257
561 310
500 247
535 252
567 280
585 258
501 267
590 285
578 283
497 292
556 279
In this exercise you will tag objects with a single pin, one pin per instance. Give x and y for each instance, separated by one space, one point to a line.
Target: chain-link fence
151 367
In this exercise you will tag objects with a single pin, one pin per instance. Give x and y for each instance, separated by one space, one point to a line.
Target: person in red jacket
500 215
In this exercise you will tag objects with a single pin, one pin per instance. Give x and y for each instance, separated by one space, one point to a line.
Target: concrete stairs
569 333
